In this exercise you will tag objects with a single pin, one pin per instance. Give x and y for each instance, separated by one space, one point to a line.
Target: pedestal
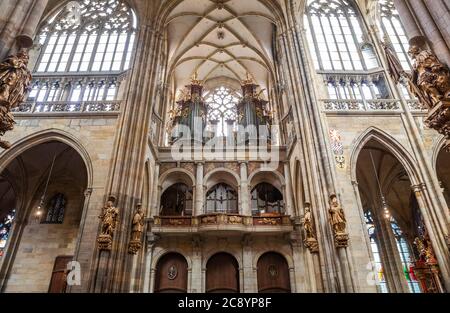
439 120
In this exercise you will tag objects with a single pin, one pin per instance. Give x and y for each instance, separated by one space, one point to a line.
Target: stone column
250 283
29 29
407 19
431 32
244 188
288 190
196 269
155 193
441 15
148 272
199 188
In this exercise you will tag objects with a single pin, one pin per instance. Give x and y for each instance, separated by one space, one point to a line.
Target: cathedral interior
224 146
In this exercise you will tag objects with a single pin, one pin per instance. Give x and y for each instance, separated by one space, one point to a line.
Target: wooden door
58 283
222 274
273 274
171 274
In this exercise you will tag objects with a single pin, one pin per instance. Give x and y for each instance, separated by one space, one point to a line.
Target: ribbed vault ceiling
220 40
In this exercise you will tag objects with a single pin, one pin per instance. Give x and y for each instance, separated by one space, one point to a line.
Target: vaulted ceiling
222 41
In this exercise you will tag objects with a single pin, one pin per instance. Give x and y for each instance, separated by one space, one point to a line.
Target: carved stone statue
109 220
338 222
310 240
430 79
15 78
137 230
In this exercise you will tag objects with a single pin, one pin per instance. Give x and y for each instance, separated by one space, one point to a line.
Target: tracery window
378 265
55 210
406 257
177 201
222 111
222 199
5 229
266 199
100 40
391 26
337 38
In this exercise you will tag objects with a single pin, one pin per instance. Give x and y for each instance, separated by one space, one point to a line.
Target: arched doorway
273 274
394 222
222 274
45 188
171 274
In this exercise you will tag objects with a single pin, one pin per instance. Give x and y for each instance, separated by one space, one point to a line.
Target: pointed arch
52 134
391 145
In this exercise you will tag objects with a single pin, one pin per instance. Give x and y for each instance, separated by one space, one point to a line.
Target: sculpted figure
109 217
430 79
15 78
337 217
138 224
308 223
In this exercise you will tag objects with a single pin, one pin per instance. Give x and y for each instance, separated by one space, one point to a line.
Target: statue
109 220
338 222
137 230
15 79
430 79
310 240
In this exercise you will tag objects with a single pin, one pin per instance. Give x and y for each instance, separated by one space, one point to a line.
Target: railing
112 106
361 105
221 220
416 105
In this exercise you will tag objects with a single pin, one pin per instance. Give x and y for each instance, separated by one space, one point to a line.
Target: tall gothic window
378 265
391 26
88 36
5 229
337 37
222 111
222 199
406 257
56 208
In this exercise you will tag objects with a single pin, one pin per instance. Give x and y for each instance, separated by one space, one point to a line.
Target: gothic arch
391 145
437 148
22 145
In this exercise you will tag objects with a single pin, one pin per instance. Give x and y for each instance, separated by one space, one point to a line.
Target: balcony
224 224
105 106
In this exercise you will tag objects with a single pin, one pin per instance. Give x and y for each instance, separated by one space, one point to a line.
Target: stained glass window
5 230
378 265
391 26
222 199
222 111
337 37
88 36
406 258
55 210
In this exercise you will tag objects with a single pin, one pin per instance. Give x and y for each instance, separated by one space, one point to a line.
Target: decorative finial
195 80
248 80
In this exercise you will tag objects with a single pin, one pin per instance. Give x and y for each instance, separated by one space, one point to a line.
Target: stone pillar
249 283
199 188
196 268
244 188
28 32
288 190
149 275
431 32
407 19
155 193
299 276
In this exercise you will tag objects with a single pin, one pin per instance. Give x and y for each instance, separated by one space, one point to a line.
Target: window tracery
56 209
337 39
222 110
